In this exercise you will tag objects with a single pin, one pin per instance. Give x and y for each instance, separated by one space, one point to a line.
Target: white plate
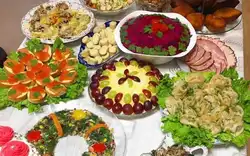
154 58
75 6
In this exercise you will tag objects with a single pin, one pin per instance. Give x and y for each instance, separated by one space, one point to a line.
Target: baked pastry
126 86
214 23
225 4
184 10
228 14
196 19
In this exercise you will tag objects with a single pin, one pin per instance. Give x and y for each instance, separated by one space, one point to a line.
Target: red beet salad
155 35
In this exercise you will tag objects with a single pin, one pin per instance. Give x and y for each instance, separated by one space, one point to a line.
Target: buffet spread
148 81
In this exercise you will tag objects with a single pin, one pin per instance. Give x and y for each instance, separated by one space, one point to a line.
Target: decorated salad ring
126 87
41 74
45 134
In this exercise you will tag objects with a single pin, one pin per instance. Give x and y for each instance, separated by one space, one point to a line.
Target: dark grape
100 99
154 100
147 105
135 98
153 83
95 92
105 90
117 108
103 78
123 59
122 80
108 103
147 93
95 77
106 66
138 108
150 74
118 97
135 78
112 67
126 72
127 109
155 71
99 72
94 85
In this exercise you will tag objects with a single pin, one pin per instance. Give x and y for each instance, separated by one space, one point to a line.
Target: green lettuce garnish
34 45
192 136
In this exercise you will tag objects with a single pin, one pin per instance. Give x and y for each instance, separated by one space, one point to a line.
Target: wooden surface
246 43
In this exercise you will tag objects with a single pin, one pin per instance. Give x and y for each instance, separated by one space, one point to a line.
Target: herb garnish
33 62
12 92
172 50
58 44
20 76
181 46
147 29
36 94
53 67
170 26
34 45
46 80
14 56
159 34
3 75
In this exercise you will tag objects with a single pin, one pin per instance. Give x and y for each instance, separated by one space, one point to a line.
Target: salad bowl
155 59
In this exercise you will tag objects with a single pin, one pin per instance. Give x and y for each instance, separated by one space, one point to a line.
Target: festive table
143 134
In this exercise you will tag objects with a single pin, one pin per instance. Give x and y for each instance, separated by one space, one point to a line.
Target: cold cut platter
209 54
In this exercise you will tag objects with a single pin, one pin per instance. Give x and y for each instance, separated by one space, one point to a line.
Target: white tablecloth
144 134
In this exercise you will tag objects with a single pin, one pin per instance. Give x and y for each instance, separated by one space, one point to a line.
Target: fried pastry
184 10
228 14
196 19
214 23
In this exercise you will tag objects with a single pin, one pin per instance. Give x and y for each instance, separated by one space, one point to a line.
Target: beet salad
155 35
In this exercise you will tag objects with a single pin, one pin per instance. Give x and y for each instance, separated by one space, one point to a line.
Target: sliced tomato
34 65
17 92
45 54
13 67
36 94
25 55
67 77
68 64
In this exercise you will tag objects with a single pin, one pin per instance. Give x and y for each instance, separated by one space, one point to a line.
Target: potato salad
101 46
108 5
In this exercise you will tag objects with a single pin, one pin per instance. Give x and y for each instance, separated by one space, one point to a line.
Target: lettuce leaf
184 134
164 89
34 45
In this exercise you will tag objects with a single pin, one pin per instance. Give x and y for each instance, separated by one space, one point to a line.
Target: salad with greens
41 74
202 108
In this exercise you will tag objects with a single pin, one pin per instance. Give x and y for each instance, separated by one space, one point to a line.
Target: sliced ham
210 46
192 54
205 57
230 56
199 55
204 66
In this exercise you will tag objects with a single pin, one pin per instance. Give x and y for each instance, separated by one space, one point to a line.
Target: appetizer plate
108 13
76 145
229 26
153 58
83 46
75 6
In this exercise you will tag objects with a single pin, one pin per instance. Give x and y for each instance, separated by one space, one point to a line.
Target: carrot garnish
57 124
95 127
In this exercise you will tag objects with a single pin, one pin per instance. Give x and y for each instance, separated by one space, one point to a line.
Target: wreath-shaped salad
39 74
203 107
